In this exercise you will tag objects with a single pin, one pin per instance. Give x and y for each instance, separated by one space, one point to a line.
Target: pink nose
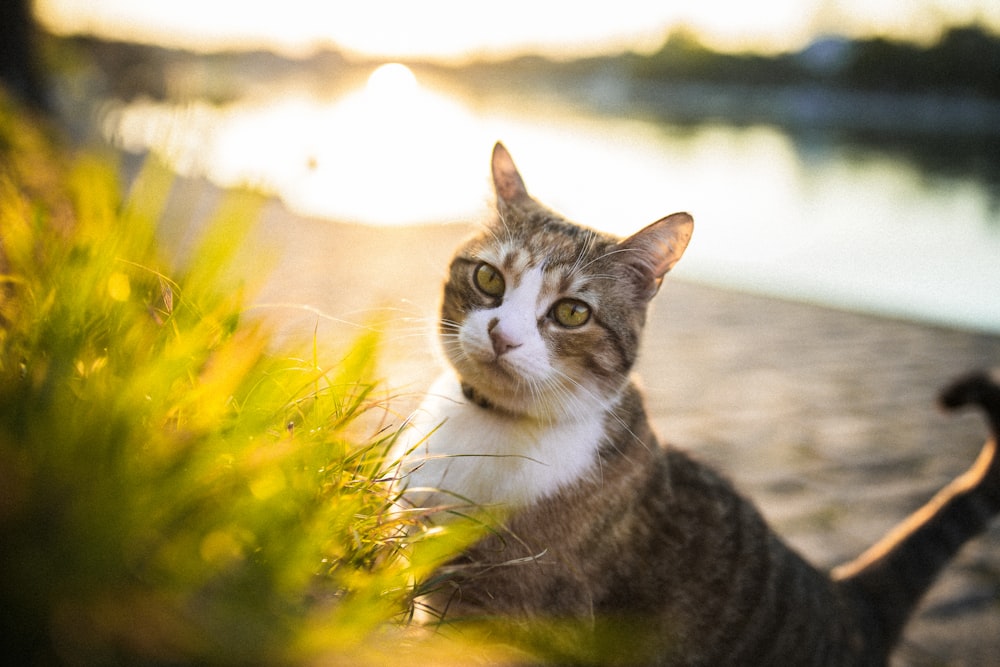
502 342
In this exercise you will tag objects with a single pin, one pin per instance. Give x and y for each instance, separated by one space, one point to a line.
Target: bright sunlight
392 82
384 153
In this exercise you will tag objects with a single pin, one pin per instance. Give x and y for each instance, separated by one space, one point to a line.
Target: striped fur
615 549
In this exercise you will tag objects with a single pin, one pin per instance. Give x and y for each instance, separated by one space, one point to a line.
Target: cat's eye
489 280
571 313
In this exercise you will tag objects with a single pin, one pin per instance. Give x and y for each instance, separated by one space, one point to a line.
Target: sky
448 29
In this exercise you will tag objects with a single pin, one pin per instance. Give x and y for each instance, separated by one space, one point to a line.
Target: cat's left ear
655 249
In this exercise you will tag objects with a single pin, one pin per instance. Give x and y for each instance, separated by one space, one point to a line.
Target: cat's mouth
504 381
494 381
497 373
488 363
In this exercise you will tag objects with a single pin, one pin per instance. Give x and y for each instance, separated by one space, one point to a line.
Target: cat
625 551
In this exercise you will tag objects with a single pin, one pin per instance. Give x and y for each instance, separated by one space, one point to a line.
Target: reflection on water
819 220
376 155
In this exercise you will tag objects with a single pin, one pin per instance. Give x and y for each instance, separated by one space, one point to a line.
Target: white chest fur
462 452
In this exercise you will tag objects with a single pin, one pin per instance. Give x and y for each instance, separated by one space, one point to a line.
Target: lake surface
803 216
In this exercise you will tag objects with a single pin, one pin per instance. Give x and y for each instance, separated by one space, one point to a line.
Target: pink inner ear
507 181
656 248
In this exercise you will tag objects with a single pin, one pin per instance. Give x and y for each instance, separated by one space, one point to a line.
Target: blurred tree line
965 59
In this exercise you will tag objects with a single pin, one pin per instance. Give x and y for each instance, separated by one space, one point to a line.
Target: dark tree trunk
19 68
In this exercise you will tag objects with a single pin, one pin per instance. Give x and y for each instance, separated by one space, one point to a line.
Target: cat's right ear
507 181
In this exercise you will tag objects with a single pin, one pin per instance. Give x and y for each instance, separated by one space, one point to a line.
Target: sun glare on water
396 151
391 152
385 154
392 82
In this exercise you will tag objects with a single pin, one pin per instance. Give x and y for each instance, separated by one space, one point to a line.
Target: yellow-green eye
489 280
571 313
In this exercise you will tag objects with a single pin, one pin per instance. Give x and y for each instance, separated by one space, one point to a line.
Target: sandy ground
825 418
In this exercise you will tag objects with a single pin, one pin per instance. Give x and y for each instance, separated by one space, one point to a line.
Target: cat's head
542 317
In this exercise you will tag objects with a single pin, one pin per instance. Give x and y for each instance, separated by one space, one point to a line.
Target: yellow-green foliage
171 490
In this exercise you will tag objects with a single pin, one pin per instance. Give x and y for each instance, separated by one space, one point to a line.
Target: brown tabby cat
627 551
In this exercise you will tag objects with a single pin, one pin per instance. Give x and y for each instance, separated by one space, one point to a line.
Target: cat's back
738 594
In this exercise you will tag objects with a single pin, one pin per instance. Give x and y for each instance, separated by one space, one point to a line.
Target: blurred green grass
172 488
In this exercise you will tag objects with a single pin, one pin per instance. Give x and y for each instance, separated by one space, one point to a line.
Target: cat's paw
977 388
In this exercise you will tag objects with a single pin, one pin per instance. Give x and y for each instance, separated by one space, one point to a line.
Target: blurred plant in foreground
172 490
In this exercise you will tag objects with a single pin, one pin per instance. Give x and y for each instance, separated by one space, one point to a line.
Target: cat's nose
502 342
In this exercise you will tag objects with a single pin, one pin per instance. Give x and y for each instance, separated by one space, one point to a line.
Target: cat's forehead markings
512 260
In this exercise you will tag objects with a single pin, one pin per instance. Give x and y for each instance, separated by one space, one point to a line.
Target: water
810 218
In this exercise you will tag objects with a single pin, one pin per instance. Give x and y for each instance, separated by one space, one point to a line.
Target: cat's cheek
591 360
474 346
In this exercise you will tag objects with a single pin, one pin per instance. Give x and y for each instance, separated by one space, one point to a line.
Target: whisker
313 310
587 248
601 400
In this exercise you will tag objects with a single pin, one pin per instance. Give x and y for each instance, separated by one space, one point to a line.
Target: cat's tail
888 580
